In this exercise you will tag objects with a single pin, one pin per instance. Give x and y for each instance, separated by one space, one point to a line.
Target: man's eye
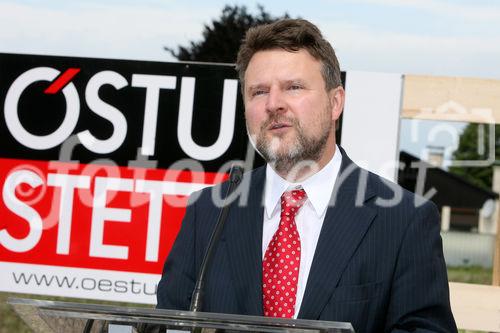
258 92
295 87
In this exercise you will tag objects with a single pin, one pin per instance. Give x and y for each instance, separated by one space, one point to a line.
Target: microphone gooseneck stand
235 177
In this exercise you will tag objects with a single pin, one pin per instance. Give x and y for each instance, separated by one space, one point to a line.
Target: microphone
235 176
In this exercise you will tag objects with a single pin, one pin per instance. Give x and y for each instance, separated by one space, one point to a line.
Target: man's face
289 114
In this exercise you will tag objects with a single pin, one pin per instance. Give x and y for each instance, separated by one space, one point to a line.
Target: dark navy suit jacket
379 268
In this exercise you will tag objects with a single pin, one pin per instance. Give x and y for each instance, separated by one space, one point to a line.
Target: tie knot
291 201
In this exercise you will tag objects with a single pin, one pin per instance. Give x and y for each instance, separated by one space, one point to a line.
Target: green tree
469 149
222 38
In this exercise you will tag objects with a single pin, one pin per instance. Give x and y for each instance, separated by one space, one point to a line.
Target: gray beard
305 149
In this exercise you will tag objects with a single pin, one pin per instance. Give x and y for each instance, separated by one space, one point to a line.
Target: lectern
49 317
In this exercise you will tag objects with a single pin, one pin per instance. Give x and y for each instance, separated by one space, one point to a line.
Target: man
319 238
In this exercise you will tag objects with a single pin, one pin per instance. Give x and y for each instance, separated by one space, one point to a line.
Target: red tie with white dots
280 267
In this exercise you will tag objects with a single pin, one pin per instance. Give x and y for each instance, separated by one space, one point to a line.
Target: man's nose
275 101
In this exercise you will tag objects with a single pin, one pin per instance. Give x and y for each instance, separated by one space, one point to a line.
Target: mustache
279 119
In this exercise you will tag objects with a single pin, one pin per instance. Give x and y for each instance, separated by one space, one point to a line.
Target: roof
452 190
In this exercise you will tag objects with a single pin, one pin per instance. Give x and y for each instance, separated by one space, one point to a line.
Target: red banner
92 216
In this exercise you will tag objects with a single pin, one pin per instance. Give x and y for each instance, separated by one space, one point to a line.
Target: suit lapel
244 244
343 229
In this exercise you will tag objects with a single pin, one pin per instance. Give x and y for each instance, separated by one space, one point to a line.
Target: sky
431 37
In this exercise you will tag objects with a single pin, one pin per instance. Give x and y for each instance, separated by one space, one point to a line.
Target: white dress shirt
310 218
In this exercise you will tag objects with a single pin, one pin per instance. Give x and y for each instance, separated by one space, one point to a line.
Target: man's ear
337 100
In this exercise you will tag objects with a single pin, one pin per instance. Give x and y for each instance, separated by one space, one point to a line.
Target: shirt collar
318 187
